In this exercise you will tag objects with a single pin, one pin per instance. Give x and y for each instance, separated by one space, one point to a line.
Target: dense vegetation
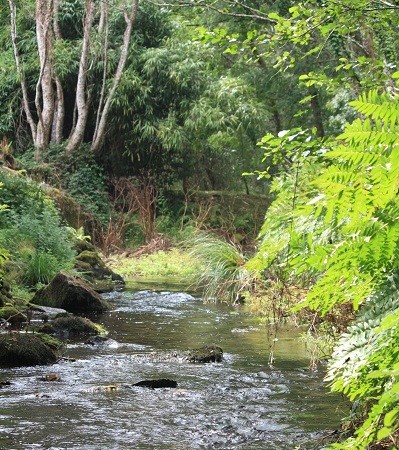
133 109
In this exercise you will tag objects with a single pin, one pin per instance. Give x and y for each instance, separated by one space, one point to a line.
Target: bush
32 233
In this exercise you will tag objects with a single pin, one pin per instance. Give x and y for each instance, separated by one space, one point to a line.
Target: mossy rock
5 292
102 286
18 350
68 326
70 293
82 245
12 314
205 354
73 213
3 299
92 258
94 268
51 341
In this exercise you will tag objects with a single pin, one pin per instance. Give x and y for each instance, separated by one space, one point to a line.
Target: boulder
5 292
17 349
70 293
156 384
93 267
12 315
70 325
205 354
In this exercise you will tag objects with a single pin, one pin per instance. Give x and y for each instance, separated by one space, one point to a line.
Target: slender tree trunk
130 17
276 115
317 112
59 113
103 28
20 72
82 97
44 89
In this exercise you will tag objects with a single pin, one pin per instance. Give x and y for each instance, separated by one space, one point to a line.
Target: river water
240 403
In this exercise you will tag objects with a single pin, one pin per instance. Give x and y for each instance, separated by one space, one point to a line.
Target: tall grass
224 276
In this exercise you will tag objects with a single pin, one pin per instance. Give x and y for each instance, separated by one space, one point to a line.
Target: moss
12 314
102 286
24 350
82 266
52 342
81 245
91 258
93 268
71 326
3 299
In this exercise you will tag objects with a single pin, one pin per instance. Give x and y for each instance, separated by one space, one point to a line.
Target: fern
353 201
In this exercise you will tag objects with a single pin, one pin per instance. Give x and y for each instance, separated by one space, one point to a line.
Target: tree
46 119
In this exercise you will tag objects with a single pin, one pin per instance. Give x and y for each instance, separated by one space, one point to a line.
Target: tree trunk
44 100
316 110
20 72
99 133
103 28
82 98
276 116
59 113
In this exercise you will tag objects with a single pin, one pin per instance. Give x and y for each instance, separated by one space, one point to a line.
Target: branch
254 13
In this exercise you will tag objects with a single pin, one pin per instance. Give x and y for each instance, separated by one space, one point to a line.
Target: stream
240 403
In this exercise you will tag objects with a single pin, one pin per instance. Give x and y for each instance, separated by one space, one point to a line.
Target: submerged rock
50 377
70 293
101 341
157 384
66 326
18 349
205 354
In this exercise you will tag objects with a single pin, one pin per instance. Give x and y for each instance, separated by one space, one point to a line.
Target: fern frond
378 107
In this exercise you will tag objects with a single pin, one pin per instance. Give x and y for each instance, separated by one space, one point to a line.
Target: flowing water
241 403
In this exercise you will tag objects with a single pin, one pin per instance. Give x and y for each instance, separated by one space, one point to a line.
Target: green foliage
31 232
365 366
343 228
80 175
224 276
171 263
39 267
87 186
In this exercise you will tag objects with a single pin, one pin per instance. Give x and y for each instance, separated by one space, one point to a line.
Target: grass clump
223 274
